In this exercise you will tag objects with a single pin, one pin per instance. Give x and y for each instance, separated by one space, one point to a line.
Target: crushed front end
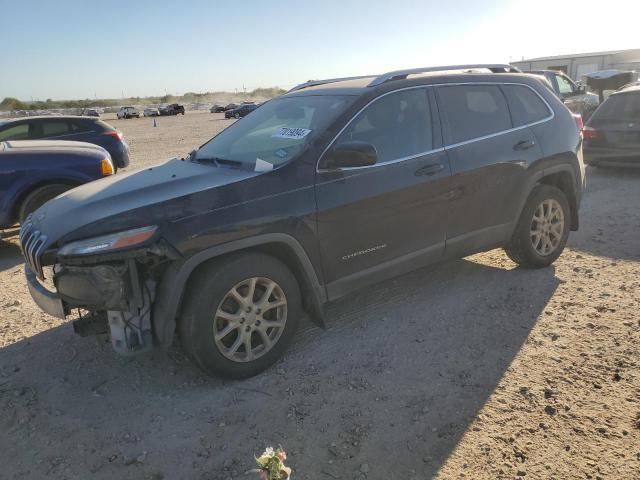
112 277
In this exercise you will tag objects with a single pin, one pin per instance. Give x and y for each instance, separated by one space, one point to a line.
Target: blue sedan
33 172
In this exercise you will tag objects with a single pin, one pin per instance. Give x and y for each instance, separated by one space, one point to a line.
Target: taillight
589 133
115 134
579 123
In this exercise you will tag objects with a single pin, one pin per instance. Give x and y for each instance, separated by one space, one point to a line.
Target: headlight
107 243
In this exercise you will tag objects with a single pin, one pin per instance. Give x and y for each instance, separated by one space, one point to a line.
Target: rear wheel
240 315
39 197
542 230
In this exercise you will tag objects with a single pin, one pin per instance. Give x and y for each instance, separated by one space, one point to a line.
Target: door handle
524 145
430 169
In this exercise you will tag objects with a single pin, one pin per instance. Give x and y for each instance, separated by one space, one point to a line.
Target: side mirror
351 154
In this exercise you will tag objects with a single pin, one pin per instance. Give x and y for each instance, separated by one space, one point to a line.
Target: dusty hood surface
167 190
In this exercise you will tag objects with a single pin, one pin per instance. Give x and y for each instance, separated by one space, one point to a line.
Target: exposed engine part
131 330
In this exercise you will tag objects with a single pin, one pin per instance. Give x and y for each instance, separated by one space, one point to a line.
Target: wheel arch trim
536 178
18 196
174 281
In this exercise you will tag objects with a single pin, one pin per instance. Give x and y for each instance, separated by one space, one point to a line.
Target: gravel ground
468 369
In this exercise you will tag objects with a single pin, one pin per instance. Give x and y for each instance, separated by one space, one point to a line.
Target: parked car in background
574 96
612 134
173 109
216 109
128 112
241 111
635 83
90 112
230 106
33 172
327 189
78 129
151 112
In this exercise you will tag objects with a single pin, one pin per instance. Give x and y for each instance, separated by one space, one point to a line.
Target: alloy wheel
547 227
250 319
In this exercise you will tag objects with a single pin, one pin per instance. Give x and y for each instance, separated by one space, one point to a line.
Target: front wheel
39 197
240 314
542 230
236 116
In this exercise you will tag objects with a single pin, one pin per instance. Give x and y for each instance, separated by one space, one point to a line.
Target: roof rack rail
402 74
313 83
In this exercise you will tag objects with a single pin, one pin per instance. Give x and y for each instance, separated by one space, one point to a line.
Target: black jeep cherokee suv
334 186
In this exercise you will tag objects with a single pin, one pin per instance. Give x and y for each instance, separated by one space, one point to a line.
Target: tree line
10 103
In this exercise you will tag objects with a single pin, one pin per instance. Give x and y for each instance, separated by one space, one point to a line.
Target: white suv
128 112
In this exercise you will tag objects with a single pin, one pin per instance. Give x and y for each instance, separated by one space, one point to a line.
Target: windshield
275 133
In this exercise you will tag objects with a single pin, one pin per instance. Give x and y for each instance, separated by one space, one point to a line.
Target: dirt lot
472 368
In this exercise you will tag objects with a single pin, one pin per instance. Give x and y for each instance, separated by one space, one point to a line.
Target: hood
48 147
133 199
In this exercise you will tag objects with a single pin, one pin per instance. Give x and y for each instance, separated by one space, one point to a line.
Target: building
577 65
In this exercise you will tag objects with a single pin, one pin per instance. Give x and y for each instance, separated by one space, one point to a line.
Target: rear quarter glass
525 104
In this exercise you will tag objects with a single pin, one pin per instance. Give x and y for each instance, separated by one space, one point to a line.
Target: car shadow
609 223
10 255
403 367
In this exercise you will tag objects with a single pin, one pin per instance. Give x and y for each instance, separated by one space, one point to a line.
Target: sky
70 49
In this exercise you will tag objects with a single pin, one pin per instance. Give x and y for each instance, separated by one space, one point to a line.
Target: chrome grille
33 243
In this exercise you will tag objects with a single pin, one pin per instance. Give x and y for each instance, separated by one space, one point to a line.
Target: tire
236 116
39 197
211 307
540 250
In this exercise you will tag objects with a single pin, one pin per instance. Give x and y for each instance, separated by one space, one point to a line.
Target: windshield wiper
218 162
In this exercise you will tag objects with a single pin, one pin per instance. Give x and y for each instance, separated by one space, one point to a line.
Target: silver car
574 96
151 112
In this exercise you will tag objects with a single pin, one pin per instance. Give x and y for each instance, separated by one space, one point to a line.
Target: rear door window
80 127
526 105
54 129
473 111
399 125
16 132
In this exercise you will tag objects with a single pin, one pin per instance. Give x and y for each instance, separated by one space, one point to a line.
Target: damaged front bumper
49 302
119 297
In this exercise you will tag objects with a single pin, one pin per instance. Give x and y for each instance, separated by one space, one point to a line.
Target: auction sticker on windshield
292 133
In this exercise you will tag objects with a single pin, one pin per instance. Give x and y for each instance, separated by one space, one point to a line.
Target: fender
171 288
19 190
535 177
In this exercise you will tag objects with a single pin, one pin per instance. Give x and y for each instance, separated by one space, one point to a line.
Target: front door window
565 86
